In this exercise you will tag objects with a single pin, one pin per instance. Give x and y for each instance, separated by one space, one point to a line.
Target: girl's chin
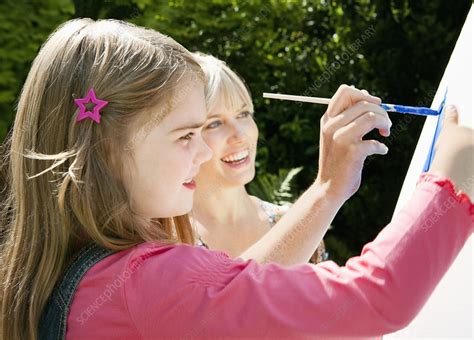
182 207
181 212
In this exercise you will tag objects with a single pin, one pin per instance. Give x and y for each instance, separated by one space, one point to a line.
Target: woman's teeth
236 156
188 181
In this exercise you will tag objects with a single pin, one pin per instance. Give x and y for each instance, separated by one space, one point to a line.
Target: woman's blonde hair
222 84
64 179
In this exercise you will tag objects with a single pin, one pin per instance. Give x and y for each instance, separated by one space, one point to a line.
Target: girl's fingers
354 112
355 130
450 120
347 96
372 147
451 115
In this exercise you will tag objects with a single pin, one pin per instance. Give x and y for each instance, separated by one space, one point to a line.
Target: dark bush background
396 49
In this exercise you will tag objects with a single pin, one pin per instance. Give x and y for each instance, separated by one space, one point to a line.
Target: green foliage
339 250
275 188
24 26
396 49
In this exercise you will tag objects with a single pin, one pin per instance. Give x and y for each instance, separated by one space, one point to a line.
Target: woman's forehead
223 106
228 95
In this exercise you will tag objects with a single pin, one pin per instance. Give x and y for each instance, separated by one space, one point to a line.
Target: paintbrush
414 110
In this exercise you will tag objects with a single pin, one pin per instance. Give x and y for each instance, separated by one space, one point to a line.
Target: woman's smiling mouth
237 159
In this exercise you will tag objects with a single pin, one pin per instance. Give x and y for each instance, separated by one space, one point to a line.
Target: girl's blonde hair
222 84
65 179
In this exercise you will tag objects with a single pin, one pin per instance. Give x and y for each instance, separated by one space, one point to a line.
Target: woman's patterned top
275 213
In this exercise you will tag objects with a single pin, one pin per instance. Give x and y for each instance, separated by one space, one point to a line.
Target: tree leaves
295 47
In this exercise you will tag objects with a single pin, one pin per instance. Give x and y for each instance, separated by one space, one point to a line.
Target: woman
226 216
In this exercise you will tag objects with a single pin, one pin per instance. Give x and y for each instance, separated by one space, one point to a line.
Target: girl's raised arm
378 292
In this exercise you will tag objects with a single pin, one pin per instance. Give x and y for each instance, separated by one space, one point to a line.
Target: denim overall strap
53 320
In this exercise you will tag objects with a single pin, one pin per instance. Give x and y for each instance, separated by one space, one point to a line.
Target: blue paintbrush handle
422 111
439 124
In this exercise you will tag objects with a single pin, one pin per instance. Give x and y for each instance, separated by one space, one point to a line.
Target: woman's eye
244 114
187 137
214 124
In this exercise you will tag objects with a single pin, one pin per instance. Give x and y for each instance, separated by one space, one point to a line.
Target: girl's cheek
190 153
178 155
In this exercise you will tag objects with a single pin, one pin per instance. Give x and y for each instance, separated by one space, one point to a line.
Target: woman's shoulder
276 208
274 211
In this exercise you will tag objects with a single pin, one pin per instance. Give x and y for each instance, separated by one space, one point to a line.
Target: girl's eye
244 114
214 124
187 137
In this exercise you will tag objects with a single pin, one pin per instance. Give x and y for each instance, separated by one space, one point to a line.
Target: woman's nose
237 134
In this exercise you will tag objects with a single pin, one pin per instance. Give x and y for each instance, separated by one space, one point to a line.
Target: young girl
105 145
226 216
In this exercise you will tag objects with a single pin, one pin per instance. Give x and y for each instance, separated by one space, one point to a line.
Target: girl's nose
204 154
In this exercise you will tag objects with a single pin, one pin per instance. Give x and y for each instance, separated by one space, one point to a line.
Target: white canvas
449 312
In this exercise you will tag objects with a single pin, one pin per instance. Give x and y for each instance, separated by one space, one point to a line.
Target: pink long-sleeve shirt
155 291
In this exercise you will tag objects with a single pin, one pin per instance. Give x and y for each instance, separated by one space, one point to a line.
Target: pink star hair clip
84 111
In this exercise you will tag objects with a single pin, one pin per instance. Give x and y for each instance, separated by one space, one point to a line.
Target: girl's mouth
190 184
